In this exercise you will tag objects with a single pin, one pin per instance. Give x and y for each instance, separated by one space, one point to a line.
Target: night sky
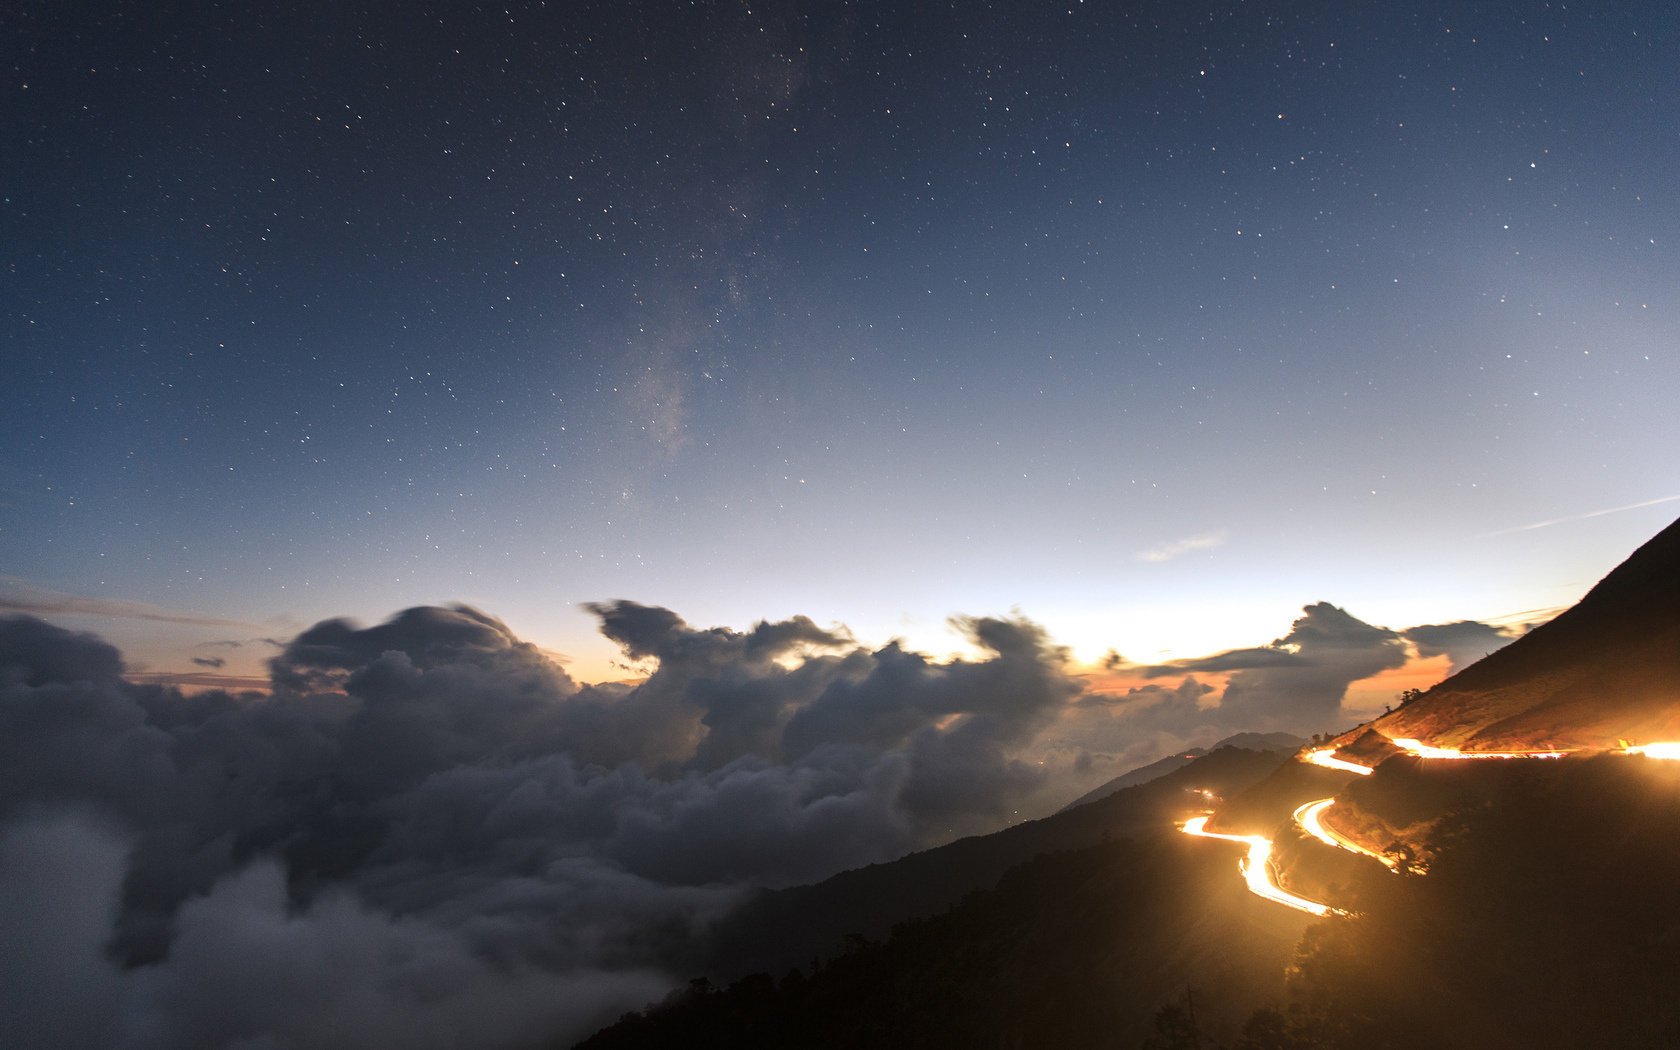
1152 321
1151 373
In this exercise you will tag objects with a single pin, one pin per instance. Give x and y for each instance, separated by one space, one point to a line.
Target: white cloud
1199 542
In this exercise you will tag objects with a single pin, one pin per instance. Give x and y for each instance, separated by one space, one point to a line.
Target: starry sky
1152 321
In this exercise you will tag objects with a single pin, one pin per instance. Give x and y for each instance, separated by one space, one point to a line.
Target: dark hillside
1074 949
784 928
1549 917
1144 774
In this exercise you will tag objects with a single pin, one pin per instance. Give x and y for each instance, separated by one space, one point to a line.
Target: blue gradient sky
1156 324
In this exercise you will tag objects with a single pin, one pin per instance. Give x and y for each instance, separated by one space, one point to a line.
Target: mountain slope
1073 949
1607 668
1144 774
783 928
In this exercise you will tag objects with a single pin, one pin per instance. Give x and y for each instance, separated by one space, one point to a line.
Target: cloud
1331 650
60 882
1275 655
1297 683
1169 551
427 821
212 662
19 596
247 968
1463 642
199 680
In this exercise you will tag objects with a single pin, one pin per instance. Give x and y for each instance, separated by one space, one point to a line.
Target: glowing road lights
1669 751
1310 819
1326 757
1422 750
1256 869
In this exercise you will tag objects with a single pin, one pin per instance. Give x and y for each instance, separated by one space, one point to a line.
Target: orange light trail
1422 750
1310 818
1256 869
1326 757
1668 750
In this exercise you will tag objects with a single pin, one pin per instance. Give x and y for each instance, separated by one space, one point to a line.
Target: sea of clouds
426 834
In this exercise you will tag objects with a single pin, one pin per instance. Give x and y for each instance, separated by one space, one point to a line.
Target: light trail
1310 818
1326 757
1256 869
1422 750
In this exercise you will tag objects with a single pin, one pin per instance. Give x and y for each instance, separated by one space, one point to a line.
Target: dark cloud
1297 683
1228 661
1330 651
428 833
1463 642
212 662
35 653
427 822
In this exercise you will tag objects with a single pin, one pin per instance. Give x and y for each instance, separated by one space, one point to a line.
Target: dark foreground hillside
1075 949
780 929
1550 918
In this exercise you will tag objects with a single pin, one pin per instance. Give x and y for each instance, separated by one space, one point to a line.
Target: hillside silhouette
778 929
1073 949
1609 667
1538 904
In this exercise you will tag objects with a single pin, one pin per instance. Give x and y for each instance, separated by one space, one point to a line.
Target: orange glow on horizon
1369 696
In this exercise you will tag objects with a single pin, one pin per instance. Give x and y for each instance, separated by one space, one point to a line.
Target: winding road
1257 869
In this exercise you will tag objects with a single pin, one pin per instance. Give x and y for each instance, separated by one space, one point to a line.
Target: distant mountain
783 928
1161 767
1607 668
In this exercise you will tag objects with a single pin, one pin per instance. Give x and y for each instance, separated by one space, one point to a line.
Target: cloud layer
426 830
427 821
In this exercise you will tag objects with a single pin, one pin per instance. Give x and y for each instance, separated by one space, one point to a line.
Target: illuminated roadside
1326 757
1422 750
1256 866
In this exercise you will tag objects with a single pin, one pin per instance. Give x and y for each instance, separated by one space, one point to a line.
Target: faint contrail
1581 517
20 596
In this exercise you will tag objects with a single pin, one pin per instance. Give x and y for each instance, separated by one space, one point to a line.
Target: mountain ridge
1606 668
